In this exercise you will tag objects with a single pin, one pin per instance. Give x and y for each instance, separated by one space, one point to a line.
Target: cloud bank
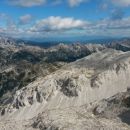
27 3
57 26
121 3
31 3
58 23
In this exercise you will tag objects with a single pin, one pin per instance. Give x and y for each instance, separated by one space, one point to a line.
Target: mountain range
64 86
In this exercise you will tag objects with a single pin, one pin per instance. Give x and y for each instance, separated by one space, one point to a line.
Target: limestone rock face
63 97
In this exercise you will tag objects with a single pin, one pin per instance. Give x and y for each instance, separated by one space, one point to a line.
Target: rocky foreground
91 92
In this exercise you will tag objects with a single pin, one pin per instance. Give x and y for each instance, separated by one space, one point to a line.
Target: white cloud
58 23
27 3
30 3
109 27
25 19
58 26
122 3
123 23
56 2
73 3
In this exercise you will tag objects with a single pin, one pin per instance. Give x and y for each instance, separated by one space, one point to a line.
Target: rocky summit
64 87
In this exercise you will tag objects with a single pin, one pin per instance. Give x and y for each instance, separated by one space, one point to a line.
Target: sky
46 19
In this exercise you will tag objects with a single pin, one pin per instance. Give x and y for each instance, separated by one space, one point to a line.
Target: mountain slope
123 45
73 87
20 64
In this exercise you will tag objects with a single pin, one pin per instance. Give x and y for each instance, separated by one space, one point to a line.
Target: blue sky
65 18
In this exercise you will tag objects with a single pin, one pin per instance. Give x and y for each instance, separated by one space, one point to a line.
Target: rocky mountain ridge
21 64
123 45
74 86
70 87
